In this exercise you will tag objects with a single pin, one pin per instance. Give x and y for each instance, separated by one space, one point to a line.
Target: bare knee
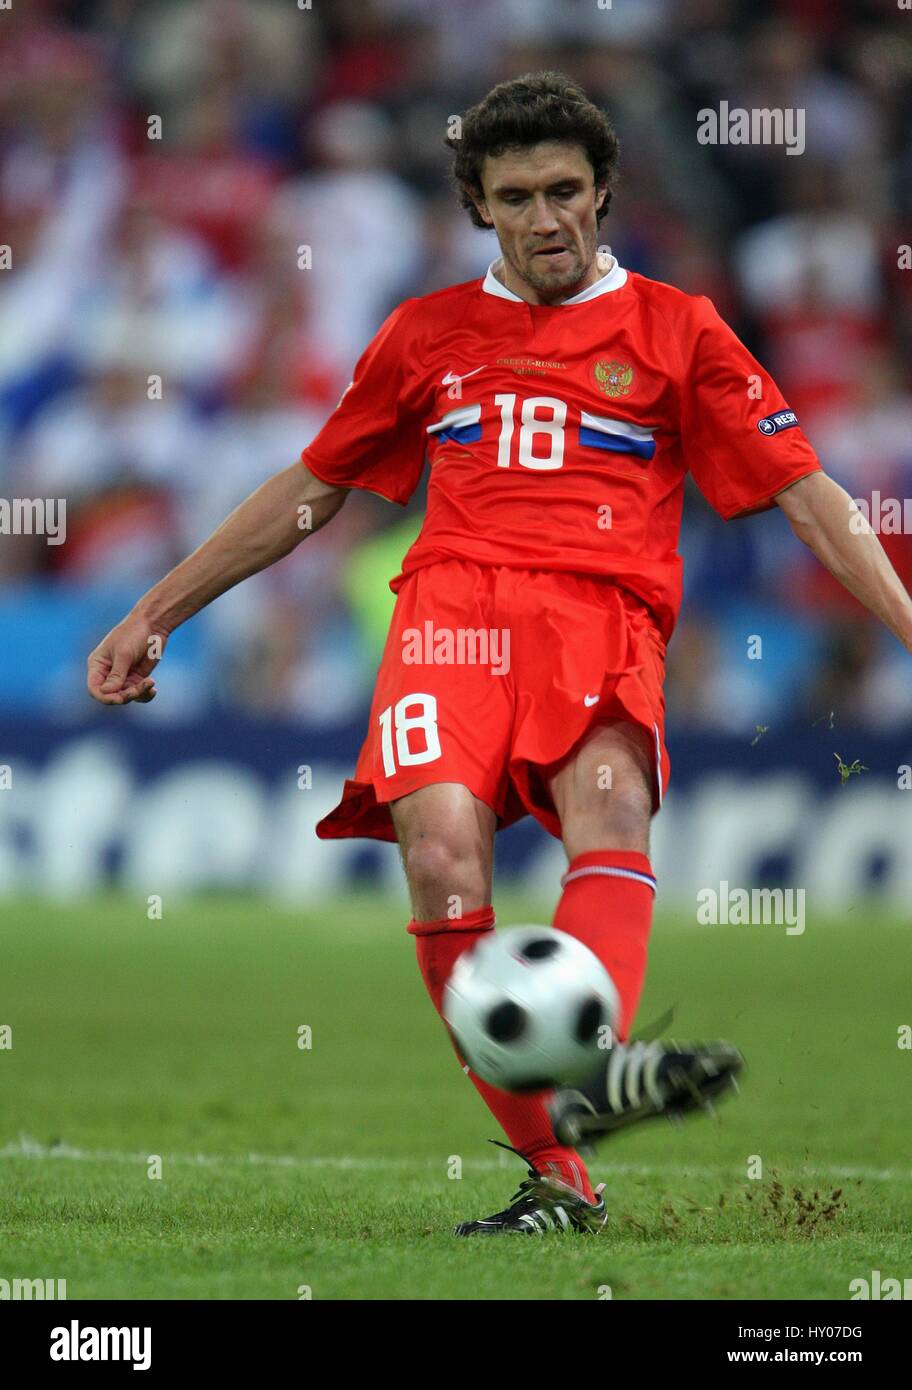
446 841
603 795
448 873
619 820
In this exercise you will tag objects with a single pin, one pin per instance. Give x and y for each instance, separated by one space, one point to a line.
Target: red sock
607 904
522 1117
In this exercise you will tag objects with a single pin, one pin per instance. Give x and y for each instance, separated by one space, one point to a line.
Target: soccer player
560 402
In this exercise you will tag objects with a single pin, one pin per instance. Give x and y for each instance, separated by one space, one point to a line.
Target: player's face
542 203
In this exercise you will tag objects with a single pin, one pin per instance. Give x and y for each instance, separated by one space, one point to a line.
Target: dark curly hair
524 111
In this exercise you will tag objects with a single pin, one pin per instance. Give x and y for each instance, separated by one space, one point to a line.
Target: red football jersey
559 436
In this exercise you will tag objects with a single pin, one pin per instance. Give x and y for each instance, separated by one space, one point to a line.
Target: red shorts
490 677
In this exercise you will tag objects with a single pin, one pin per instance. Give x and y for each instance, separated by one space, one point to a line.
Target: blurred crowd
165 343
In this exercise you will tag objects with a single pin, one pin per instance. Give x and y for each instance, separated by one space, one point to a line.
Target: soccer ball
531 1007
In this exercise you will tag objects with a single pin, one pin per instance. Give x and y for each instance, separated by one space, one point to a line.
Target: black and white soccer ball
531 1007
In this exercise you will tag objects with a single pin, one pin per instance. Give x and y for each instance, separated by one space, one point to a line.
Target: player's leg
446 838
587 758
603 796
603 792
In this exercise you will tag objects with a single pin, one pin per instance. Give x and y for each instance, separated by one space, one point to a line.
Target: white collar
615 277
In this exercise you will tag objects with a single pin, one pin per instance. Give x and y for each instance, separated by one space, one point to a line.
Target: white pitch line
25 1147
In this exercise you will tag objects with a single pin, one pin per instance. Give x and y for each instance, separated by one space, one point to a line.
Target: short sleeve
741 441
375 437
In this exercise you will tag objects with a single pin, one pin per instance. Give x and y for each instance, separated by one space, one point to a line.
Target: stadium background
177 258
168 920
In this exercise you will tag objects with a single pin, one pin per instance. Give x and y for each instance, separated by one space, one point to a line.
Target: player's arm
263 529
826 519
374 439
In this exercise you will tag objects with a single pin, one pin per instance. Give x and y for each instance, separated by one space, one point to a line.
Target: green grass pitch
331 1169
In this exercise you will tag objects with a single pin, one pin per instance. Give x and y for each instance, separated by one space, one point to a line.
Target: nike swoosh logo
451 378
591 699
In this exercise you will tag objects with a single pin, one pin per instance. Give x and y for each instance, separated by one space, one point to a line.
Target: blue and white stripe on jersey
463 426
620 436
